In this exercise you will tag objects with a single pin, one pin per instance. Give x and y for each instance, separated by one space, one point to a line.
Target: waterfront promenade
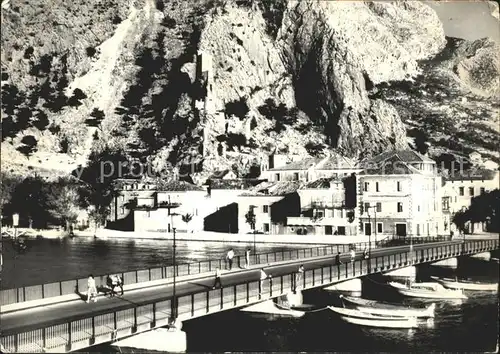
75 324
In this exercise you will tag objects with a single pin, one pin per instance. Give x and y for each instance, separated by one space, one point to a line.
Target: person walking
119 282
229 257
247 258
365 253
217 281
353 255
337 259
91 289
263 276
298 277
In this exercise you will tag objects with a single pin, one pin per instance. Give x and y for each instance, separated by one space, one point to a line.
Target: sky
469 20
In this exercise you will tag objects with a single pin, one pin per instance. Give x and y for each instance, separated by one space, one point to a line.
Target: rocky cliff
225 83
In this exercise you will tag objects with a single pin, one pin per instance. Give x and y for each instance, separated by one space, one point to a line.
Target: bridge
73 325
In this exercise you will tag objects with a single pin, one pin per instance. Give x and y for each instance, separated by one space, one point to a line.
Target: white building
399 193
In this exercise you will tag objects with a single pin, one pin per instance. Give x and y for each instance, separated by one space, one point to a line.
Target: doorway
400 229
368 228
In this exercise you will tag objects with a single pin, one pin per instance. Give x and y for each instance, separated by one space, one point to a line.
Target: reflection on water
50 260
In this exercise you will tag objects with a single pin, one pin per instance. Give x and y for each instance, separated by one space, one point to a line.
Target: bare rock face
338 50
478 67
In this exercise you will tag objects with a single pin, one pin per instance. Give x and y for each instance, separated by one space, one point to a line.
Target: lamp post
174 299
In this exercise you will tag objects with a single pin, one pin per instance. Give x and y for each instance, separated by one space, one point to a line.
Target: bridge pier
485 256
171 340
351 286
403 273
447 263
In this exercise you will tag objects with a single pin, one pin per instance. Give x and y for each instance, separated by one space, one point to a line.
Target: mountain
214 84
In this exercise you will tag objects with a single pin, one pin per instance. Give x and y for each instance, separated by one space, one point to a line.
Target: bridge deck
75 325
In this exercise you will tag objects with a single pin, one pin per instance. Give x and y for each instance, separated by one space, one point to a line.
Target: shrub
90 52
237 108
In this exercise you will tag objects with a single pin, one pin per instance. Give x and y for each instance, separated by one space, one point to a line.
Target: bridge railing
108 325
72 286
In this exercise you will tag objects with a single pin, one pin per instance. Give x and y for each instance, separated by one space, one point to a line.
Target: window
379 207
367 207
471 191
366 186
418 207
380 227
319 214
265 209
461 191
266 227
296 176
341 230
398 186
277 177
376 187
328 230
400 207
481 190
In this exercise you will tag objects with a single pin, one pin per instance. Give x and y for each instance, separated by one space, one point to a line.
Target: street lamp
173 319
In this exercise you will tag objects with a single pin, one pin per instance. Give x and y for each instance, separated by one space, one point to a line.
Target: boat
372 320
495 260
380 308
466 284
428 290
268 308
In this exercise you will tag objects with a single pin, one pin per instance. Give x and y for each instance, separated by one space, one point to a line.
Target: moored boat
378 308
372 320
466 284
270 309
428 290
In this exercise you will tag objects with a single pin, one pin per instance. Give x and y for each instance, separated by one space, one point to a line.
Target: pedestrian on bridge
229 258
217 279
337 259
298 277
91 289
353 255
365 253
247 258
263 276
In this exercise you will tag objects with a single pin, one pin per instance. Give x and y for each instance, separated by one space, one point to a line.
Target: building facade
323 210
460 189
399 193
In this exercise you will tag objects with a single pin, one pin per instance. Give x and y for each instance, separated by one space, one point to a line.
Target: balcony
309 221
168 204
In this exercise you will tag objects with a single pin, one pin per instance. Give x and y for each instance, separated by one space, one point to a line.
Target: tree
251 220
29 199
7 188
96 118
62 202
97 178
460 219
486 208
29 145
187 218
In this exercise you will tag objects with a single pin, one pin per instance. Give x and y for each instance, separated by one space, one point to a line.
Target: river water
52 260
470 325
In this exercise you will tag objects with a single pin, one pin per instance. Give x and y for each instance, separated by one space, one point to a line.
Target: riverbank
209 236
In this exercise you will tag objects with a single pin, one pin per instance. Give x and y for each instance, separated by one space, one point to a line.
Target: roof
322 183
472 175
408 156
329 162
177 186
393 165
221 174
274 189
298 165
233 183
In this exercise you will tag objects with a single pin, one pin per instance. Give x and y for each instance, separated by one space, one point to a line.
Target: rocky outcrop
477 64
338 50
